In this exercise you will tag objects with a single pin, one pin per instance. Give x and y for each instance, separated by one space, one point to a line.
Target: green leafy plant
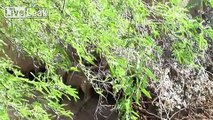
127 33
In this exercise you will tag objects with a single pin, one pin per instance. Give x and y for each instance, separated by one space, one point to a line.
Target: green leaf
74 69
211 3
146 93
150 74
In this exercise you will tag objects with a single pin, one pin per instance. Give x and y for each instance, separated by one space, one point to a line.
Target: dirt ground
89 110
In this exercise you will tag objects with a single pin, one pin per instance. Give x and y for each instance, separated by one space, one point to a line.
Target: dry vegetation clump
182 92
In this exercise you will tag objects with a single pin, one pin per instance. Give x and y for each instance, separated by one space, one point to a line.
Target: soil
89 110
